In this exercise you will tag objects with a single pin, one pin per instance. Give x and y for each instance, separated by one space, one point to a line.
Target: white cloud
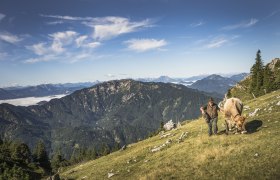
244 24
80 40
65 36
61 39
200 23
219 41
57 45
55 22
2 16
110 27
65 45
212 42
72 45
93 44
105 28
216 43
39 49
83 41
141 45
71 18
45 58
273 13
10 38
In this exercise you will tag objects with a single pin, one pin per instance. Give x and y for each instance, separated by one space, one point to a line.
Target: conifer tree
257 76
116 147
277 76
58 161
105 149
21 153
268 79
92 153
41 156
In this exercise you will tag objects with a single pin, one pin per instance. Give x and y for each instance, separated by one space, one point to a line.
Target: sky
86 40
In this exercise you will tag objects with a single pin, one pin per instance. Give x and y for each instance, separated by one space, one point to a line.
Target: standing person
210 114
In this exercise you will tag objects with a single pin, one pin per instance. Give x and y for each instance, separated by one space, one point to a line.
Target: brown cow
233 109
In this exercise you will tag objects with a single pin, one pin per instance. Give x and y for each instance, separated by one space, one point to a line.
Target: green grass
248 156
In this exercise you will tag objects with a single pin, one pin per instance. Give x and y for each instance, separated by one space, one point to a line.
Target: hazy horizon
136 78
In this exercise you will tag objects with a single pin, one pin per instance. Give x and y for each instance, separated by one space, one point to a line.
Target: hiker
210 114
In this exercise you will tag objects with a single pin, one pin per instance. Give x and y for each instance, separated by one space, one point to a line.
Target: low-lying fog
30 100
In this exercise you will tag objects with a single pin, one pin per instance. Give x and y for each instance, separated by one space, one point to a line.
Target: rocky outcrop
169 125
273 63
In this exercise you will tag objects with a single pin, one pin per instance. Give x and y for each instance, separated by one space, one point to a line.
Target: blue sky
86 40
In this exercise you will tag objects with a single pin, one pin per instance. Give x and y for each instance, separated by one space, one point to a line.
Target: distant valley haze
30 100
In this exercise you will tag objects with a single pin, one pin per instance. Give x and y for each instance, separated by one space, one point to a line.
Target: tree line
17 161
264 79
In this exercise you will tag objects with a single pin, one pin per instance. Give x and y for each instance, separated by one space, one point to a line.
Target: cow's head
240 120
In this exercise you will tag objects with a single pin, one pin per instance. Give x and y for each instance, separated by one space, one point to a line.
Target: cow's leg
227 129
244 131
243 126
230 125
215 120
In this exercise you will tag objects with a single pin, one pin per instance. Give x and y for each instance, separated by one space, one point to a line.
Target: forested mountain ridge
122 112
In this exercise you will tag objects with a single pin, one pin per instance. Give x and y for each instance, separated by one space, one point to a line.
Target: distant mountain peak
215 77
214 84
165 79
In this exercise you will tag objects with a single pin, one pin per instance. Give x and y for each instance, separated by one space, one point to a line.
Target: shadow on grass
252 126
221 132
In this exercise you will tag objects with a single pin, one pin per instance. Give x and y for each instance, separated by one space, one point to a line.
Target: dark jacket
211 111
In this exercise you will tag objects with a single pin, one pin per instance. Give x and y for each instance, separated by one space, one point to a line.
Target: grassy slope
241 90
249 156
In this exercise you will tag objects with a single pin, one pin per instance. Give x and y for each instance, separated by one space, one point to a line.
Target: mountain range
122 112
42 90
214 84
67 88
